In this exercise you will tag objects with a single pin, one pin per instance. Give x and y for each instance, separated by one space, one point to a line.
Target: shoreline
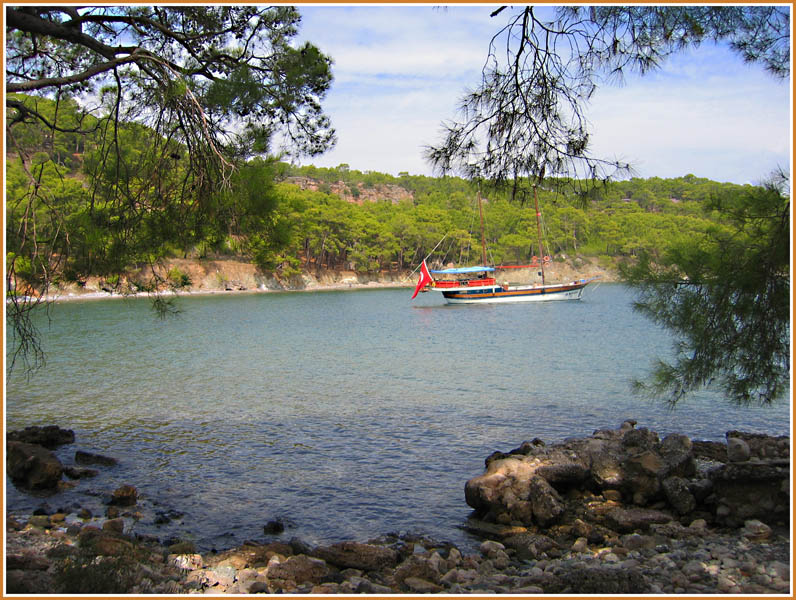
603 543
95 295
222 276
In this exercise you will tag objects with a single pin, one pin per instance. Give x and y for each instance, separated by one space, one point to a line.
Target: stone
41 521
78 473
737 450
489 548
422 586
640 438
606 471
26 562
49 436
125 495
299 569
546 503
222 576
633 519
114 525
531 545
107 545
188 562
602 580
417 567
183 547
564 473
581 545
32 467
636 541
641 476
273 527
678 495
368 557
89 458
756 531
676 450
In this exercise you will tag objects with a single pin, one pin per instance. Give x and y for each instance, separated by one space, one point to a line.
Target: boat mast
483 239
539 230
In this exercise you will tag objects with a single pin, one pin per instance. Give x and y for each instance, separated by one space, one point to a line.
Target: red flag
425 278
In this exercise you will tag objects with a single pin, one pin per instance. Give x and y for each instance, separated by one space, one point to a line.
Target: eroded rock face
629 468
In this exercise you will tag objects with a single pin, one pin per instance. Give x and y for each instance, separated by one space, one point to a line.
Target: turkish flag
425 278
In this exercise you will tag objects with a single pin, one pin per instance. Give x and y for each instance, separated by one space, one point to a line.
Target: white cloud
400 71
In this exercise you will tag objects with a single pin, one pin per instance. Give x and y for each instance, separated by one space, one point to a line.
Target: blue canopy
464 270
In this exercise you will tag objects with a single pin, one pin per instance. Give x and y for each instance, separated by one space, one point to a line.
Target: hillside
73 218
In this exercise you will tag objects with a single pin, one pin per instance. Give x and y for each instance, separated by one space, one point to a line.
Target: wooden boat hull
516 293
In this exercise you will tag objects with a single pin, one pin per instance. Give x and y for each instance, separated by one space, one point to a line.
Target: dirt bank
204 276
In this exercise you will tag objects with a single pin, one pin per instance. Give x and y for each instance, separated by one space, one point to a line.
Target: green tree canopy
170 100
726 295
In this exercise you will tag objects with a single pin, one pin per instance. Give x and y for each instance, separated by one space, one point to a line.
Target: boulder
677 453
49 436
32 467
643 439
738 450
751 490
89 458
678 495
355 555
640 476
762 446
125 495
299 569
415 567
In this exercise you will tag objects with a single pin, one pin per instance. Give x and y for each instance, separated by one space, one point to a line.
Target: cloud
401 70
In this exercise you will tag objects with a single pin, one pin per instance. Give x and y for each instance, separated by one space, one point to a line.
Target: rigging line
450 246
427 255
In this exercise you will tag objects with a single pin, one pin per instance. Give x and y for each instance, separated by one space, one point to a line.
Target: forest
339 218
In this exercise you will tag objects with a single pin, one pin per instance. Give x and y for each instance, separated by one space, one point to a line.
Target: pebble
710 562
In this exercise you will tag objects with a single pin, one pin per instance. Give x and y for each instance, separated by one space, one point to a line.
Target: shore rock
124 495
89 458
32 467
599 543
49 436
355 555
539 485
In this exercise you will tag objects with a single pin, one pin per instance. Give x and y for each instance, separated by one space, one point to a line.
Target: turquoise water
344 414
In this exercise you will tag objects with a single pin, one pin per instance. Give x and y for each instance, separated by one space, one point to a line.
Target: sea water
344 414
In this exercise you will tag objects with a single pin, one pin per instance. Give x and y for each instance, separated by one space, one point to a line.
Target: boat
478 284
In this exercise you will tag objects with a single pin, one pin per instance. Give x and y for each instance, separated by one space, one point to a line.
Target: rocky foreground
619 512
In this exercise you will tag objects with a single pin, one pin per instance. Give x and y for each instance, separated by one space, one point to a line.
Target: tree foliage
158 105
726 295
526 118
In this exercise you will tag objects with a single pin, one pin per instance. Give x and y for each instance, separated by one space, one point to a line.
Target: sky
400 72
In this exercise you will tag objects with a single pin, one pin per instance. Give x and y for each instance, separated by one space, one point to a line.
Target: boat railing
449 283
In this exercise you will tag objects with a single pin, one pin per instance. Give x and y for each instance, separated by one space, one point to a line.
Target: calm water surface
344 414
